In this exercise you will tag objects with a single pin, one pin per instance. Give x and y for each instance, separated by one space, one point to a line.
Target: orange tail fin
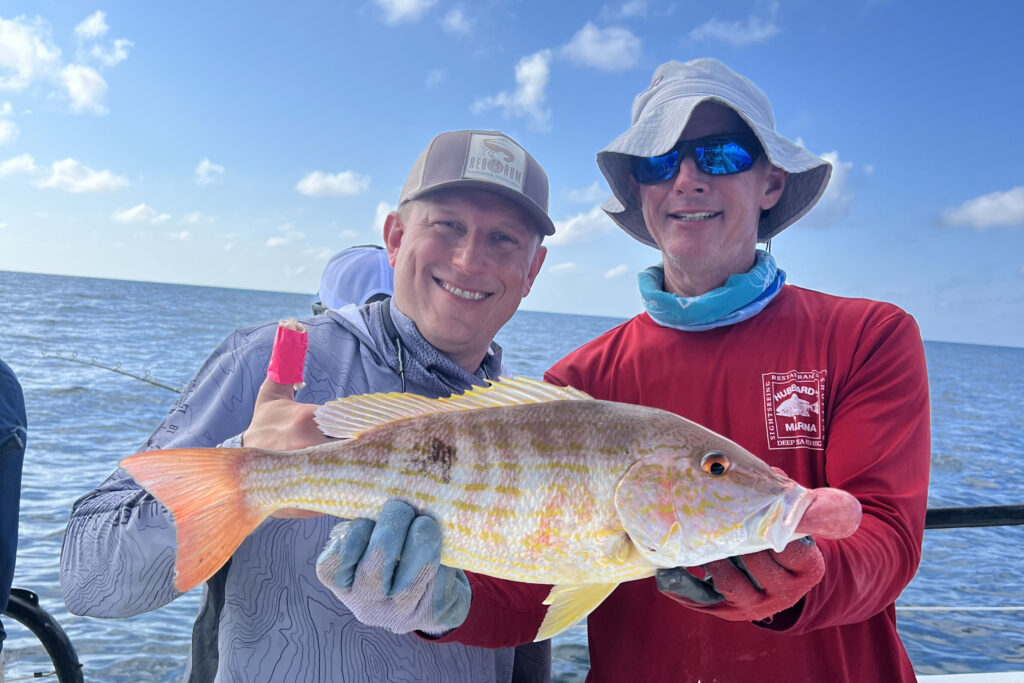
202 489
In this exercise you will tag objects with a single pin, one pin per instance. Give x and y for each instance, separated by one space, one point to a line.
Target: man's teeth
462 293
694 216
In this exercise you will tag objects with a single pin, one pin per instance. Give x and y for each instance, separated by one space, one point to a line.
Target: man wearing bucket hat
465 244
833 391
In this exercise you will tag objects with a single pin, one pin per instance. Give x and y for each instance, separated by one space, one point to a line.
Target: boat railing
23 605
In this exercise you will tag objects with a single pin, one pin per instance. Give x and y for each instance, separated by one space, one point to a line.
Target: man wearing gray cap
465 244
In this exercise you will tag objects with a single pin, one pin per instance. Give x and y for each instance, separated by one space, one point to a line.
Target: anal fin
569 604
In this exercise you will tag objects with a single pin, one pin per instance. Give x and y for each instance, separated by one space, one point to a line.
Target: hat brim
658 130
539 217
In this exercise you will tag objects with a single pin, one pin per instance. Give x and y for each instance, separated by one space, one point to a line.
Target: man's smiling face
463 259
706 225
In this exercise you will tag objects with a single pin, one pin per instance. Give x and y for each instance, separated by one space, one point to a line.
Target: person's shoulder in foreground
465 247
13 426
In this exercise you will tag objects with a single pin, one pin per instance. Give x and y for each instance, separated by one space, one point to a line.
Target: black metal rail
23 607
982 515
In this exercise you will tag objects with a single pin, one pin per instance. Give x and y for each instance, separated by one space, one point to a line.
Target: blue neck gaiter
742 296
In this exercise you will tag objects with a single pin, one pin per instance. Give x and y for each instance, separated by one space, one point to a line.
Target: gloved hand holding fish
752 587
527 481
389 572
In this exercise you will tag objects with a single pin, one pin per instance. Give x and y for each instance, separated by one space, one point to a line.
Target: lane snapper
528 481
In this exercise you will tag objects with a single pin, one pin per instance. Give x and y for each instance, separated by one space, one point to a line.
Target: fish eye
715 463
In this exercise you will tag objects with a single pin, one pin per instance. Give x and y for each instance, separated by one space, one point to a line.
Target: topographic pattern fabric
266 616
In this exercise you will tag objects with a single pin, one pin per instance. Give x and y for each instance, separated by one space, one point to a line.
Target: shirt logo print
793 409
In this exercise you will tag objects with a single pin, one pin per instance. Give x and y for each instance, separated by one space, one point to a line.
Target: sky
241 144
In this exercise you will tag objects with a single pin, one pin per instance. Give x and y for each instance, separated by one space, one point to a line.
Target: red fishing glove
750 587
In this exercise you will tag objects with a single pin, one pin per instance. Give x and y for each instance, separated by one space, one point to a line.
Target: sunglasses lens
656 169
718 155
723 157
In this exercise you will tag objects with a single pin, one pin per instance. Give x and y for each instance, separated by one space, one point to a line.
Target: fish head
689 506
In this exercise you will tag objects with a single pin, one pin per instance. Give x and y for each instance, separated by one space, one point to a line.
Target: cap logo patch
496 159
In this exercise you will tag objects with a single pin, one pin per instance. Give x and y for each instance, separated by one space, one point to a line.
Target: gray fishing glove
389 573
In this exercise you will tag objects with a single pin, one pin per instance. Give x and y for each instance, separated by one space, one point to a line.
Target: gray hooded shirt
265 616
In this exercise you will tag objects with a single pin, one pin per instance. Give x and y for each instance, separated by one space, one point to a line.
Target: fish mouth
776 523
467 294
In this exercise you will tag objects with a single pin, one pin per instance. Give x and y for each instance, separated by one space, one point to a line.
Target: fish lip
782 515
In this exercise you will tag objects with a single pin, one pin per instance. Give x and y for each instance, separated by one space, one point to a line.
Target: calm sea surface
83 419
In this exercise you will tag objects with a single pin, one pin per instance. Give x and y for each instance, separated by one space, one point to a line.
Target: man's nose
469 255
690 178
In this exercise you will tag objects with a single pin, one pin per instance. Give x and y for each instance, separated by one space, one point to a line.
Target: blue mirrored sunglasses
714 155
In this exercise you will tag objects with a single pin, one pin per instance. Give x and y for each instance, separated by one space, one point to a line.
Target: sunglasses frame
747 142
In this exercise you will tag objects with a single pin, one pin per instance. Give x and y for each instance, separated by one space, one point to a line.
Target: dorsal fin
346 418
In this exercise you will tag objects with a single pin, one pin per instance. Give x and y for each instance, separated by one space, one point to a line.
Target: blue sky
240 144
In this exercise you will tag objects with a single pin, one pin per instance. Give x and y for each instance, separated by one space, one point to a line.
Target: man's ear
538 261
775 183
394 230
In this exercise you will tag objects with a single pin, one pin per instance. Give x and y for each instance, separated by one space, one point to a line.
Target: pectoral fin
569 604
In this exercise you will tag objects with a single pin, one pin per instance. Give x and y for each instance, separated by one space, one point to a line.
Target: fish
528 481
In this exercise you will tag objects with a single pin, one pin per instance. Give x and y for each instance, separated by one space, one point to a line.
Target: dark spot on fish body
435 457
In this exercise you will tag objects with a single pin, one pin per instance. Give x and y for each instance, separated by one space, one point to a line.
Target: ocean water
964 611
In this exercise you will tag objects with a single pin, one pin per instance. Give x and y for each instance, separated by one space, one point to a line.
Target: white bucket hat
660 114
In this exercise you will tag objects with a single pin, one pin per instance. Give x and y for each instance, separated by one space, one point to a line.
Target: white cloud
634 8
528 98
278 241
588 195
989 210
835 203
23 163
26 53
113 55
93 26
456 22
581 227
85 87
434 77
736 33
383 209
181 236
609 49
196 217
320 184
563 268
318 253
207 173
140 213
8 131
397 11
72 176
617 271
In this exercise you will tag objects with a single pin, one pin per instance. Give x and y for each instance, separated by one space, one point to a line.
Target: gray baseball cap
484 159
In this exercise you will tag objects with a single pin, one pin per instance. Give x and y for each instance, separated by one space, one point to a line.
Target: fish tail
202 487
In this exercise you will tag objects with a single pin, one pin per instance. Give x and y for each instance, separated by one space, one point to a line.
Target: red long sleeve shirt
833 391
